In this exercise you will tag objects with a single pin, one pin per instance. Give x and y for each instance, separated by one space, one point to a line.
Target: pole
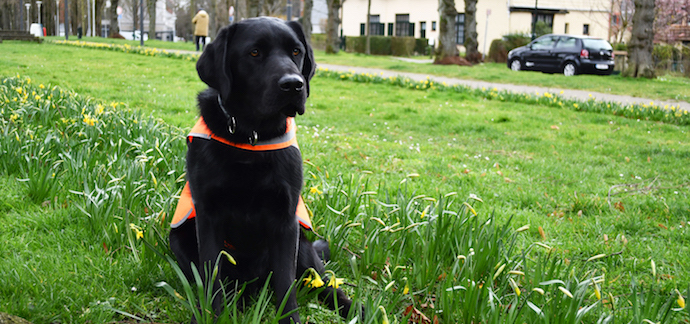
57 18
534 20
486 31
141 22
93 15
39 11
28 16
66 20
289 10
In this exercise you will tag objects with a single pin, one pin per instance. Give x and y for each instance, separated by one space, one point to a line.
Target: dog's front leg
284 266
210 245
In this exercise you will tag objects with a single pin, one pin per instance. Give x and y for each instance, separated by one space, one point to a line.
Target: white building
495 18
165 21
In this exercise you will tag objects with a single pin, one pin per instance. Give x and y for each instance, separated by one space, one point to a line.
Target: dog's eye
254 53
295 52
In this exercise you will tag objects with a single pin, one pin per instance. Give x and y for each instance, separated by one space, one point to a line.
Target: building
495 18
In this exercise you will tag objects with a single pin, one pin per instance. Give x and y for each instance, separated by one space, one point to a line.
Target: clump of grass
435 258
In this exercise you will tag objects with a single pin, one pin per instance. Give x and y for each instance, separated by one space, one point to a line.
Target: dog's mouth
292 109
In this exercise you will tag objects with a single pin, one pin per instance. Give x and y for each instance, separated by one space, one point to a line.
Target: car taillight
584 53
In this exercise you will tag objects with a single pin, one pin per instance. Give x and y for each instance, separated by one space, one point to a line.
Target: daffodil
313 280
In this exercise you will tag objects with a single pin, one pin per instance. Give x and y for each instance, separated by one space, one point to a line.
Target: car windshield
598 44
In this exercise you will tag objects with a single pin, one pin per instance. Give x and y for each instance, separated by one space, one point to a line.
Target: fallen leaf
417 316
508 180
606 238
619 206
555 127
663 226
541 233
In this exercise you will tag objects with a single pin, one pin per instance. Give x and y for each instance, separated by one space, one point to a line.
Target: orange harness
185 206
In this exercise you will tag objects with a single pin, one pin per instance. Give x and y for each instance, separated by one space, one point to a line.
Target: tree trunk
306 19
114 29
471 52
332 39
368 29
151 6
641 44
446 42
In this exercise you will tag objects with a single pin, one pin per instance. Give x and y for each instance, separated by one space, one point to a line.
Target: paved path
567 93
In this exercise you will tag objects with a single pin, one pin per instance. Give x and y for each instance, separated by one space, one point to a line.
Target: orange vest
185 206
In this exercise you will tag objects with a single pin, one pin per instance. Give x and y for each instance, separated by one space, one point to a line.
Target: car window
566 42
597 44
544 43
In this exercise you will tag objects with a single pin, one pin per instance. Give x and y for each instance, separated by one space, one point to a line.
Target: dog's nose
291 83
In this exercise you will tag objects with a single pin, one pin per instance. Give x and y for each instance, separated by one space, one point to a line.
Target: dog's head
261 67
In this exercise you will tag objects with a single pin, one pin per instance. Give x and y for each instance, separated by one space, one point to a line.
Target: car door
566 48
539 56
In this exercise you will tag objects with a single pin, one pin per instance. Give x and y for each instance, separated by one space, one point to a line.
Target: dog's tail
322 250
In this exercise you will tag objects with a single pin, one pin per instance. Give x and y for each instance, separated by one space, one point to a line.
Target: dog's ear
309 66
211 64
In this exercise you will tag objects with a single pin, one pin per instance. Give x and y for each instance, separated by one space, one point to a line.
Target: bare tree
471 45
151 10
332 39
641 44
114 27
621 19
306 19
447 37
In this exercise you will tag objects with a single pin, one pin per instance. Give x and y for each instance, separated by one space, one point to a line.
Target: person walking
200 22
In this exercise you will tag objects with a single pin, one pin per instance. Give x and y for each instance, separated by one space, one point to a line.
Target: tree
151 9
471 52
621 20
332 39
641 43
306 19
447 35
114 28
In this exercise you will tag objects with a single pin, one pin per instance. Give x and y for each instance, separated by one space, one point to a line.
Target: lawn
461 207
663 87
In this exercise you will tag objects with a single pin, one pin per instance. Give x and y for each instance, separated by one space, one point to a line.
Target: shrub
515 40
421 46
665 56
318 41
402 46
497 51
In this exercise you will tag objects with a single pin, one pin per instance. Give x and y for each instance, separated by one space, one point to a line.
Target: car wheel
515 65
569 69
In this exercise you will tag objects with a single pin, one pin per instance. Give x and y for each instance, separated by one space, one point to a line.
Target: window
460 29
422 29
390 29
375 27
585 29
402 25
544 43
433 26
566 42
362 29
546 18
567 28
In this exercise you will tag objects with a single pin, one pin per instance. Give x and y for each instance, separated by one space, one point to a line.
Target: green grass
184 46
387 173
663 87
166 87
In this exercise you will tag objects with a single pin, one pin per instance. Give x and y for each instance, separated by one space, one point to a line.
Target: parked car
565 54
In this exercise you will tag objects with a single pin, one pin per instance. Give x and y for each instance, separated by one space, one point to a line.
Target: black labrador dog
244 169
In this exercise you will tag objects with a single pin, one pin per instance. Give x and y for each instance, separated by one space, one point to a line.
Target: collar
201 130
